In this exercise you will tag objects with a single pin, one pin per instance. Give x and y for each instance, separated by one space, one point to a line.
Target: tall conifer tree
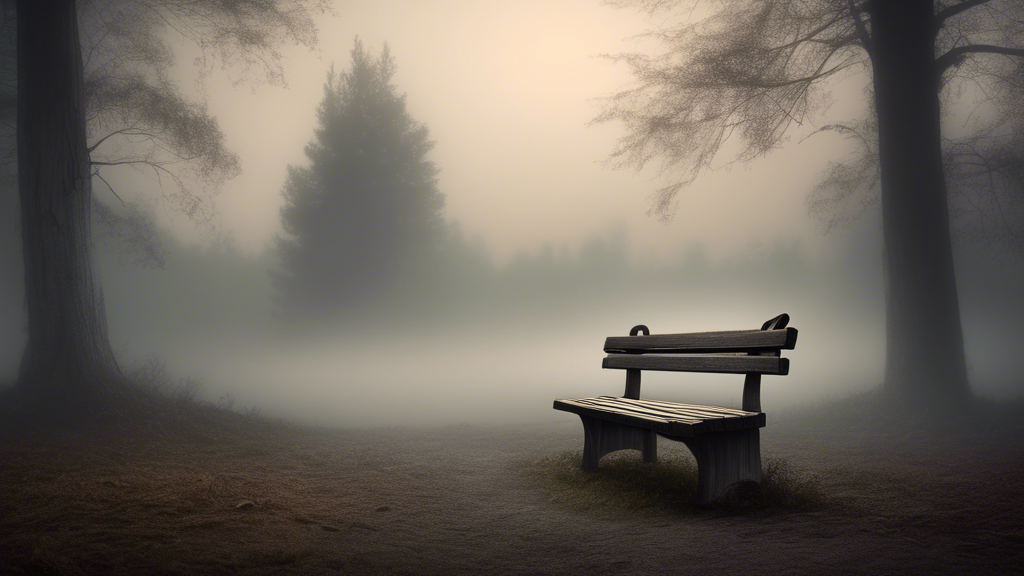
368 201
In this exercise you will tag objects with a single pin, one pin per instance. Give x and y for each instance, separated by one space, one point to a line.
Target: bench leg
724 459
601 437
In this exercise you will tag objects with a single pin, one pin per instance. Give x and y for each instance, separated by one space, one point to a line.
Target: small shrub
227 402
150 375
187 392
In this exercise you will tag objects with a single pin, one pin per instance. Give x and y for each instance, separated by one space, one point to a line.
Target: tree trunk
68 357
924 349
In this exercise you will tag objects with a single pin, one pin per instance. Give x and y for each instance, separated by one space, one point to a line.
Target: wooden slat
666 410
658 425
683 414
663 417
716 409
670 410
696 342
715 418
698 363
694 409
639 409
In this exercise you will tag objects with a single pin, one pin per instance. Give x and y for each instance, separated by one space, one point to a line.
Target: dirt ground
265 499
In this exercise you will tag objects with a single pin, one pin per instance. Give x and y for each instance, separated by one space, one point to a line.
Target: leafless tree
91 94
752 69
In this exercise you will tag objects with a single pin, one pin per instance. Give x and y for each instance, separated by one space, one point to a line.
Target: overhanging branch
955 9
951 58
97 174
101 140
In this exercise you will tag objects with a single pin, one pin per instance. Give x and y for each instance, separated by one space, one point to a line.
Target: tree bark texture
924 352
68 356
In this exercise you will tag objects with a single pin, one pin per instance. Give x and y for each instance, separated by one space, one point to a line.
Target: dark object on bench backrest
750 352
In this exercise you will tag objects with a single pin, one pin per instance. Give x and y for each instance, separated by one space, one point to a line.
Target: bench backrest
750 352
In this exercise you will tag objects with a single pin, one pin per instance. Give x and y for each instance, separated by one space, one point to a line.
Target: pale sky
506 89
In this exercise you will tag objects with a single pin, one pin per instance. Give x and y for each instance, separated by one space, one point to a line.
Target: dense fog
543 252
470 341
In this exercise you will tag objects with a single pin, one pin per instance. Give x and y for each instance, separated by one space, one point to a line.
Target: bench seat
665 418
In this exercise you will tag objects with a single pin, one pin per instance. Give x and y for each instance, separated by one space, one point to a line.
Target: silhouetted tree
752 69
68 358
68 355
368 201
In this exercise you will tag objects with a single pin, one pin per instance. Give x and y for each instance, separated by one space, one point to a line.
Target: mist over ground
464 340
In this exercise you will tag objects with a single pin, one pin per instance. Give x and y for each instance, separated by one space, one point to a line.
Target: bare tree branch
748 72
955 55
103 139
745 74
96 173
947 13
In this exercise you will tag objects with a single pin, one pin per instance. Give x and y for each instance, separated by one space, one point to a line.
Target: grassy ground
627 484
194 489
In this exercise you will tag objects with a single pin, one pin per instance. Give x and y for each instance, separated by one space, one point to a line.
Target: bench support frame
723 458
602 437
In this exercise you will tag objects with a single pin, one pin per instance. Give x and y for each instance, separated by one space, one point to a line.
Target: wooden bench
725 441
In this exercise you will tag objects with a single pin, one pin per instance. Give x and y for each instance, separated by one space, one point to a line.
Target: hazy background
548 252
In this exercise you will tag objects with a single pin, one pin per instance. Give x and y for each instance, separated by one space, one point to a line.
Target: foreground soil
269 499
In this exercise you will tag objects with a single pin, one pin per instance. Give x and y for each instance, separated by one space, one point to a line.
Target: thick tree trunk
924 351
68 356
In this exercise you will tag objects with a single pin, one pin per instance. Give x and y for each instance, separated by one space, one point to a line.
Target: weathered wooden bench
725 441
